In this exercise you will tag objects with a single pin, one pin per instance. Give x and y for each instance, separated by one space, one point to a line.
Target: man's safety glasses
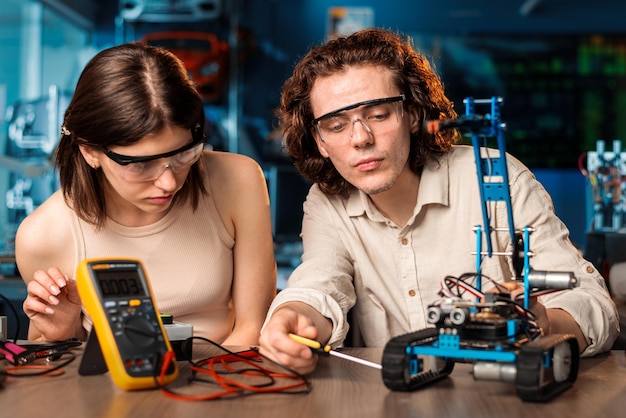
377 117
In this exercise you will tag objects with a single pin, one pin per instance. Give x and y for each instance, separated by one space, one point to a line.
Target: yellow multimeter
127 329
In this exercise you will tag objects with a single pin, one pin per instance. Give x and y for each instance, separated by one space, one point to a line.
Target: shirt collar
433 189
435 183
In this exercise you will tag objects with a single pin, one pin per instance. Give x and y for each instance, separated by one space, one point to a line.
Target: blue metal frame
493 181
490 167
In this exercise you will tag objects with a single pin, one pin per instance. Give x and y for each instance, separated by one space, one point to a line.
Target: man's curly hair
413 75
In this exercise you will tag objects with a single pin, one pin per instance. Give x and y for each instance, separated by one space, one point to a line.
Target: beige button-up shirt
355 258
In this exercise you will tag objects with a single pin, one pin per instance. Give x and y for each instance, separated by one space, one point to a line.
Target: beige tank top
189 261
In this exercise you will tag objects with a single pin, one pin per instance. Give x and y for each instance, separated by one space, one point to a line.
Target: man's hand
551 321
296 318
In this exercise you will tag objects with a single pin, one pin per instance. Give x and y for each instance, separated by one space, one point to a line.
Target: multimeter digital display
119 283
117 296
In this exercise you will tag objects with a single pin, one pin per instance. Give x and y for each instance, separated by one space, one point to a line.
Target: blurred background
559 65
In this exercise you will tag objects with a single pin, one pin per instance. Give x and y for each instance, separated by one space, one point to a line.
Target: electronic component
14 353
179 334
606 172
129 332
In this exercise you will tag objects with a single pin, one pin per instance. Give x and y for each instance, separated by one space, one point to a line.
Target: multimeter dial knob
140 331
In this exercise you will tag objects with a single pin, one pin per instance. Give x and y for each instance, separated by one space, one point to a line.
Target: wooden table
339 389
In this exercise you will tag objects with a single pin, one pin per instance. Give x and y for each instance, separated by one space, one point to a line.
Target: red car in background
205 56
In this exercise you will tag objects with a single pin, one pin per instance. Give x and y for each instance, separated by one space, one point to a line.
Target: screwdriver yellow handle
316 345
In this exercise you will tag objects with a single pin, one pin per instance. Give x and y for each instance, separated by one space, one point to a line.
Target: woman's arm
43 252
244 205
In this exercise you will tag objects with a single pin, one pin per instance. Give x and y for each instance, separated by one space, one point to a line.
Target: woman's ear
90 155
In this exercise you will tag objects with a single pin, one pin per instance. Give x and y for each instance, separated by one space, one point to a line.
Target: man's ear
321 146
415 119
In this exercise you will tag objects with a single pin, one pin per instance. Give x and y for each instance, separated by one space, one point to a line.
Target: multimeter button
109 304
134 302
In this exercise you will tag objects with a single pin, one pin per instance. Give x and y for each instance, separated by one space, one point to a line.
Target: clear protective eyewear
149 168
377 117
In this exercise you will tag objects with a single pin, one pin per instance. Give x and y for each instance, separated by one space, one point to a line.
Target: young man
392 207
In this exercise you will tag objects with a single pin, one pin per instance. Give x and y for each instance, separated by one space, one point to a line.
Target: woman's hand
53 306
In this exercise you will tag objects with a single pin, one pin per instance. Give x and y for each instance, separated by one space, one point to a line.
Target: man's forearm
560 322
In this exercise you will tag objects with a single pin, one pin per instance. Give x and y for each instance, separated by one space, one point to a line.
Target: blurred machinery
169 10
605 243
33 131
606 172
205 57
32 135
205 35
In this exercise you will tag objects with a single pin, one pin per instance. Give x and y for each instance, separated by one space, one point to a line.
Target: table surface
339 389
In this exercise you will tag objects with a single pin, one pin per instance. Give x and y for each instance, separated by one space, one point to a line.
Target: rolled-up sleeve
323 280
590 303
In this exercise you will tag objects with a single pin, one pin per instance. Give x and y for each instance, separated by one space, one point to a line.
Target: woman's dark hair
123 94
413 75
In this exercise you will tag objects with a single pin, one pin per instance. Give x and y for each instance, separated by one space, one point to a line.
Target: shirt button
589 269
412 292
405 241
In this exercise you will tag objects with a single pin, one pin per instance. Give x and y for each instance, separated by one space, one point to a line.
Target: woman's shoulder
45 228
229 167
229 158
237 184
50 215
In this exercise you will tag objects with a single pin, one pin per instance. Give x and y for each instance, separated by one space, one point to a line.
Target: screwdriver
317 346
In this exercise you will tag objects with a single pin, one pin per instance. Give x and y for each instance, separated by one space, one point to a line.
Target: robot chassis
493 332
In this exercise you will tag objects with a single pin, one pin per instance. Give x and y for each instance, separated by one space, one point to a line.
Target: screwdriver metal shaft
317 346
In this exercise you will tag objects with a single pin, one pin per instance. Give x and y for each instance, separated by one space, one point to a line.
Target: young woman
136 182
